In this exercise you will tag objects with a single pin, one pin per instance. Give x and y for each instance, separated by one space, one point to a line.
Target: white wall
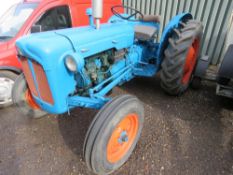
6 4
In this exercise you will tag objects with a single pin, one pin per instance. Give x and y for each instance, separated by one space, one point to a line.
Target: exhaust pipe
97 7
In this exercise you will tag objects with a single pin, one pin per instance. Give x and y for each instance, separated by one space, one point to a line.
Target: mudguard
174 23
225 69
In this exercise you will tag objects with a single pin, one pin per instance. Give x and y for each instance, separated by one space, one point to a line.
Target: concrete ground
191 134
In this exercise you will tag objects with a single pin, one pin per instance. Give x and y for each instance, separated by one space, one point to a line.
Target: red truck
32 16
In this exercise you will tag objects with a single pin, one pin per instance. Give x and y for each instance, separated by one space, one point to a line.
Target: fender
13 69
174 23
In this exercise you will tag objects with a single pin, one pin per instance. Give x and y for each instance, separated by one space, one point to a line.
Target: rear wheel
113 134
7 80
23 99
181 57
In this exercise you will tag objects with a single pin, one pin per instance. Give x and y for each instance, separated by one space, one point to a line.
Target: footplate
225 91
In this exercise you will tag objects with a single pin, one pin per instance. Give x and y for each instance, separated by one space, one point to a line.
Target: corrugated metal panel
215 15
229 37
230 33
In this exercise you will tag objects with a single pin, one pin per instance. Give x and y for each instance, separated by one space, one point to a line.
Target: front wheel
23 99
181 57
113 134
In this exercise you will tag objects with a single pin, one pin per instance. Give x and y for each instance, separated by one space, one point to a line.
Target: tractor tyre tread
95 133
175 55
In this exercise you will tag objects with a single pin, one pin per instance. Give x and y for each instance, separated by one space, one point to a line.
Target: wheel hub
123 137
6 86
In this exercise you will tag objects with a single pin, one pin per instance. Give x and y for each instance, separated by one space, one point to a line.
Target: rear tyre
181 57
23 99
113 134
7 80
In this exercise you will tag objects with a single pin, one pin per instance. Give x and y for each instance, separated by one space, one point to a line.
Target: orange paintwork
116 150
29 99
190 61
43 85
28 76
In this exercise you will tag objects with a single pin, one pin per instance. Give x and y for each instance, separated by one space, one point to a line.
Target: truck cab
30 16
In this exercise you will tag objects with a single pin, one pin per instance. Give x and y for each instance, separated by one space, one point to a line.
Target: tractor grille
43 85
43 90
28 76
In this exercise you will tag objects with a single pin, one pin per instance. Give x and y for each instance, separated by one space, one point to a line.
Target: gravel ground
192 134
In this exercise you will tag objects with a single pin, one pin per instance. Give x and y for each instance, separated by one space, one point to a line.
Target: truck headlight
71 63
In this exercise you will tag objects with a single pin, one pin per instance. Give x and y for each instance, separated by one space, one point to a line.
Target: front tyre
23 99
113 134
181 56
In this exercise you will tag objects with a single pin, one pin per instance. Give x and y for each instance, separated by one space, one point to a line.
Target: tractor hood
44 48
48 48
89 41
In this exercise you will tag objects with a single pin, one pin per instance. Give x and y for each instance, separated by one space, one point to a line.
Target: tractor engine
97 68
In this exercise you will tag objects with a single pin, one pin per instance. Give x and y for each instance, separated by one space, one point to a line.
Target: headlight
71 63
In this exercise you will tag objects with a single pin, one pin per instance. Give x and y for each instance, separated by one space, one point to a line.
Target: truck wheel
181 57
23 99
7 80
113 134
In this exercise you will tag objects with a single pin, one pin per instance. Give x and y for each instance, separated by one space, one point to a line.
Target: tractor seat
145 33
150 18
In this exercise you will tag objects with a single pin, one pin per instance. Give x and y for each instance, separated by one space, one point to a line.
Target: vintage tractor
78 67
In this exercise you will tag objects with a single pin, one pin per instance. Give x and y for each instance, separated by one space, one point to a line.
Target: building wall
215 15
229 39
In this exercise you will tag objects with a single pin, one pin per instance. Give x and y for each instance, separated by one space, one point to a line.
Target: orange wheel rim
122 138
30 101
190 61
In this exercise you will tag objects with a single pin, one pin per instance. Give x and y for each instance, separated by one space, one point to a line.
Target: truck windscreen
14 18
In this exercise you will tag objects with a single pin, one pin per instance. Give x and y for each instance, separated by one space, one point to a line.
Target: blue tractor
78 67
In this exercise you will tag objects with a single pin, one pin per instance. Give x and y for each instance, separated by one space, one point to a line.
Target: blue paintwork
51 48
89 14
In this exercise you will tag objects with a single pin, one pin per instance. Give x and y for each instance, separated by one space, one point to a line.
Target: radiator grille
42 82
28 76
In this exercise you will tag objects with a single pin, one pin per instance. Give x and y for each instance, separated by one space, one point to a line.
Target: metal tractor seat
145 33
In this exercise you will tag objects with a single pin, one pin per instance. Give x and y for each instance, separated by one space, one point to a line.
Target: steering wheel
114 11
